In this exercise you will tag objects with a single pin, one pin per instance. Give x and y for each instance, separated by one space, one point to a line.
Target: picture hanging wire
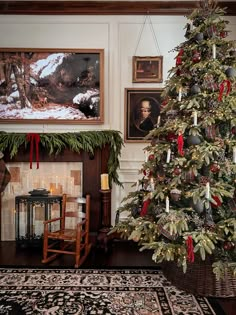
148 18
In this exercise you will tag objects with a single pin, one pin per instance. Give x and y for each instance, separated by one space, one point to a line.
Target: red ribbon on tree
34 137
179 57
180 141
189 243
146 203
222 88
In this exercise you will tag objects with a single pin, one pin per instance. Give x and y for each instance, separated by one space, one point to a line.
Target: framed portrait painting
148 69
63 86
142 108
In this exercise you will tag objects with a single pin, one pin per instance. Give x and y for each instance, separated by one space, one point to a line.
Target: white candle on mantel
234 155
158 120
195 118
214 51
207 190
168 156
167 204
180 94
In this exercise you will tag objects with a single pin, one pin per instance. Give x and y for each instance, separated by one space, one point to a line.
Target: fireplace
92 166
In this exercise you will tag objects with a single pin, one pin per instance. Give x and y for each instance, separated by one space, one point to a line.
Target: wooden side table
103 237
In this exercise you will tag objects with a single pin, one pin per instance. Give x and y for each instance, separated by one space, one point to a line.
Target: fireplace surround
93 165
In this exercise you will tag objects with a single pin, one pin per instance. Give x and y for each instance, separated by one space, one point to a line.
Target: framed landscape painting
51 86
142 109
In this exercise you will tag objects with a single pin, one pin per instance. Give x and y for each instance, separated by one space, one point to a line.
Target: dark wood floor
121 254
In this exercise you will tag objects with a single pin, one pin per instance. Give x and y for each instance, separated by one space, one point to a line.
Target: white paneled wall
118 36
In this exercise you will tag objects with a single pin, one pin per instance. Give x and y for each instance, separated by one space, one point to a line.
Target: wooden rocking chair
59 241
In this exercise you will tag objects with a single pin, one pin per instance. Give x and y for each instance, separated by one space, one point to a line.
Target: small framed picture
142 108
148 69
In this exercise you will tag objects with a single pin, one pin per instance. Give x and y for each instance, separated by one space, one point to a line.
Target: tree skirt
88 291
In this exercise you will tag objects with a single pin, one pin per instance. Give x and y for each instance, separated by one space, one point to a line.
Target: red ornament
233 130
215 168
217 203
171 137
196 56
151 157
177 170
228 245
178 72
223 34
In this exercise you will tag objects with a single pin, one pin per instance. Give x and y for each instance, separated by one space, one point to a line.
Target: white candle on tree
207 190
180 94
137 185
167 204
214 51
234 155
152 183
146 156
158 120
168 156
195 118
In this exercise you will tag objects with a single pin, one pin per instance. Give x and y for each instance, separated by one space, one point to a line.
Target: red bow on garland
34 137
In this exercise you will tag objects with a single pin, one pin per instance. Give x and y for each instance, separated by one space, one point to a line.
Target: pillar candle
207 190
104 182
167 205
214 51
234 155
195 118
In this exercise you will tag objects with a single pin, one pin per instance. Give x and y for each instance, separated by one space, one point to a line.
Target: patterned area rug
88 291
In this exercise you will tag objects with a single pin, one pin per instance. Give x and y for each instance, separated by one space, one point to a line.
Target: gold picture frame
52 86
148 69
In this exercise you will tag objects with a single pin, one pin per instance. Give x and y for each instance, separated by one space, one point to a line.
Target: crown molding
106 7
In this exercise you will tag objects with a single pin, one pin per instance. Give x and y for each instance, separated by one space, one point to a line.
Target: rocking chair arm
52 220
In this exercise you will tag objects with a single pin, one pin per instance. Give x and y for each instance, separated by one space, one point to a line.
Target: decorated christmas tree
184 205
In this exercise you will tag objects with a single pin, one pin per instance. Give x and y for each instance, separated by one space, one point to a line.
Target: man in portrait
143 116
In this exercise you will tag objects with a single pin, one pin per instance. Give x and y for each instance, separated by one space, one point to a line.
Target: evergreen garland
87 141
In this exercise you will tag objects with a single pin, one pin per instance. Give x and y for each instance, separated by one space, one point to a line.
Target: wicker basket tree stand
199 279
